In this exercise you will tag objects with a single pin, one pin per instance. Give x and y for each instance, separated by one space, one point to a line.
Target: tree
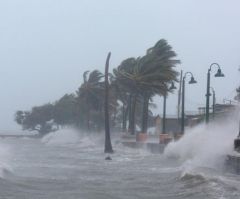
237 97
65 110
118 92
40 119
108 144
125 76
133 84
156 73
90 94
20 116
147 76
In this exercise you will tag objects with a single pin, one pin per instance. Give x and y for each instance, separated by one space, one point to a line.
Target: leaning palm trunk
129 112
145 114
108 144
124 118
88 117
132 116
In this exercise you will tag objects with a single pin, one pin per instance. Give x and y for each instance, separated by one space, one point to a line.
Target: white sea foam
61 137
204 146
202 151
70 136
87 141
4 159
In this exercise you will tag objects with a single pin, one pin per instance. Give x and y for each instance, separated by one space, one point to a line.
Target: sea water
72 165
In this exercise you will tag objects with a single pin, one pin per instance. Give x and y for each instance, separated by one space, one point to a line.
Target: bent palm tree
91 93
125 77
149 75
157 72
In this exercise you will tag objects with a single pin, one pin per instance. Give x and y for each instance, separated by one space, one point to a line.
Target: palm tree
148 75
108 144
90 93
156 72
64 110
125 75
121 93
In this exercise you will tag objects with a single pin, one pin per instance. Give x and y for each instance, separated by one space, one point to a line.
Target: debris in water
108 158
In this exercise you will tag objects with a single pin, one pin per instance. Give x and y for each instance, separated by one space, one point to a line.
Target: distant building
173 124
225 108
220 111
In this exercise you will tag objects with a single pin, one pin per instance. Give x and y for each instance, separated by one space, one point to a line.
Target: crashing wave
204 146
61 137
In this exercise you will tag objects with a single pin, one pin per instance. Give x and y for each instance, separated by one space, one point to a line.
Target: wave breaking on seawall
204 146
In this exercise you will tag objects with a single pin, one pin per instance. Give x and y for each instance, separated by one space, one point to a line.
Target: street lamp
192 81
172 87
213 102
218 74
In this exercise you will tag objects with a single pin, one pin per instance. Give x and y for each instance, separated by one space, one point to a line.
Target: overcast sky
46 45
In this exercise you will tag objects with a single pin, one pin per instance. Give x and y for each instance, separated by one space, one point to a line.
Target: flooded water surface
56 167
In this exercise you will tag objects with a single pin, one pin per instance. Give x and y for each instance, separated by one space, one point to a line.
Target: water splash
73 137
61 137
202 153
5 155
204 146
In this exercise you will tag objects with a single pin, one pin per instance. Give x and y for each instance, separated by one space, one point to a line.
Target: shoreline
17 136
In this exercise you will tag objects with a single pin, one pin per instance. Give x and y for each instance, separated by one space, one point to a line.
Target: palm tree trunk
129 112
88 120
101 115
88 117
108 144
124 114
145 113
132 124
114 119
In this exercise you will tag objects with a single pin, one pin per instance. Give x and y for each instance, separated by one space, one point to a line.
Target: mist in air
119 99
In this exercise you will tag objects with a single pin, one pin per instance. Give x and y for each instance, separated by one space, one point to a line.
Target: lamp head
192 81
172 87
219 73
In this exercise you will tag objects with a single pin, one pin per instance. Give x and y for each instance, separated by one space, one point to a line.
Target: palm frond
95 76
85 76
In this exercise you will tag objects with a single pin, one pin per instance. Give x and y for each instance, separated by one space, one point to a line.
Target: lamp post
172 87
192 81
218 74
213 102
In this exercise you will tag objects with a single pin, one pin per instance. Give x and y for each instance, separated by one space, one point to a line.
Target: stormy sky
46 45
